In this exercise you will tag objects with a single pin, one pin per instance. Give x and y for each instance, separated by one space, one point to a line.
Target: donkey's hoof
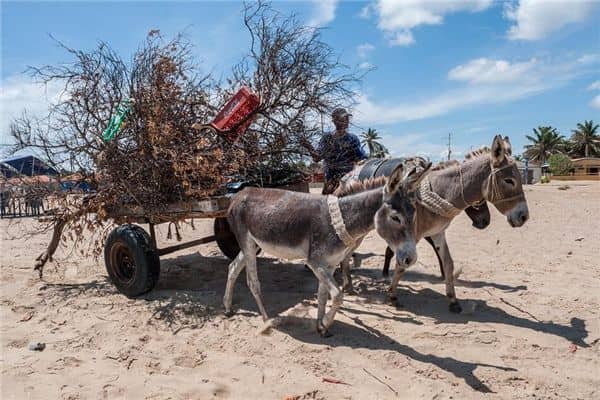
349 290
229 313
455 307
324 332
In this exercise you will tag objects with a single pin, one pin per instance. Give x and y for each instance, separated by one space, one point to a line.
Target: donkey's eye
510 181
396 219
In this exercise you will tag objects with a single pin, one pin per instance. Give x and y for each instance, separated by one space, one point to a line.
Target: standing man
339 150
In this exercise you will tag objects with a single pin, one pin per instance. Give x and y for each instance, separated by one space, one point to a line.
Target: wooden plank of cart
131 254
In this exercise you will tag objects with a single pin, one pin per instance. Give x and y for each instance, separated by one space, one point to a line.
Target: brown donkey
488 175
449 190
322 230
478 213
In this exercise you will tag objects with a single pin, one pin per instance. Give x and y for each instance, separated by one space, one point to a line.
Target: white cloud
368 111
541 76
366 65
398 18
485 70
535 19
323 12
419 144
595 103
366 11
18 93
404 38
363 50
594 86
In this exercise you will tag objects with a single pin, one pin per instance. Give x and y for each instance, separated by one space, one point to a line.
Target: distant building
533 170
586 166
28 165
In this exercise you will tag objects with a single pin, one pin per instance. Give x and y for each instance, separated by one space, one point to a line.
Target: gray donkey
489 175
322 230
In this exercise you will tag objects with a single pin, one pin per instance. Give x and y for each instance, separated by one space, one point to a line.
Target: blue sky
473 67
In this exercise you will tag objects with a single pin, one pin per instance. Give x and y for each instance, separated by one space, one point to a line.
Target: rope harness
438 205
434 202
493 194
338 221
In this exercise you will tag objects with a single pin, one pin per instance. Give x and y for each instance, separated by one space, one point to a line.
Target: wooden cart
131 255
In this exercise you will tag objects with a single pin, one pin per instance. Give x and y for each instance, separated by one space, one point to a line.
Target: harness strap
338 221
434 202
493 192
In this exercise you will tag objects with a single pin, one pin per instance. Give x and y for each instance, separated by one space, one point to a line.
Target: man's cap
340 113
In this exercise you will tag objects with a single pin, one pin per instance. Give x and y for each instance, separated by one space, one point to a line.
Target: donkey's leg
437 253
252 279
392 294
389 254
323 295
356 261
337 298
236 266
327 285
347 278
441 246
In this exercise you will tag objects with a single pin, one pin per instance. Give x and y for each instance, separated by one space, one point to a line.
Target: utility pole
449 145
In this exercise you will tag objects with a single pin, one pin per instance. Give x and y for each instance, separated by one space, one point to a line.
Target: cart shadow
367 337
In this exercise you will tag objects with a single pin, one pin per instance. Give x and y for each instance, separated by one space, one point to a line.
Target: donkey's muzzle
406 258
481 222
518 218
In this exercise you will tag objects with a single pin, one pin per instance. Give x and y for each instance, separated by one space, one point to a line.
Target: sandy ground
530 326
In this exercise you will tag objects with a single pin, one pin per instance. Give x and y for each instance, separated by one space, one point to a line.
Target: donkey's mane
444 164
360 186
483 151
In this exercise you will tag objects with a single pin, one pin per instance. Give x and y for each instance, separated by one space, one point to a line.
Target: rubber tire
137 243
225 238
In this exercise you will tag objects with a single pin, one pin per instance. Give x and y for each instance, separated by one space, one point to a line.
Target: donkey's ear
413 178
507 146
395 179
498 151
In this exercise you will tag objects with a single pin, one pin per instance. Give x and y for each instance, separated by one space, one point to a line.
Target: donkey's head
479 214
395 220
503 187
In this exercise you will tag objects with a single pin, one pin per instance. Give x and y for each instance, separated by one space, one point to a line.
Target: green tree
560 164
370 139
585 142
545 141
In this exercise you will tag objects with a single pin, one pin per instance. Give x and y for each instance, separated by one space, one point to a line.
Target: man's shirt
339 153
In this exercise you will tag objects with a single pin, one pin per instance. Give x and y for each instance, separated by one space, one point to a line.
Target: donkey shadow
193 277
418 276
429 303
368 337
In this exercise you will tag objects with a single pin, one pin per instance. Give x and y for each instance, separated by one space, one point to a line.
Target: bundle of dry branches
156 158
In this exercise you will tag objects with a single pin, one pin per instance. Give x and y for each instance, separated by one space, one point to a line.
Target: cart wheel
225 238
131 260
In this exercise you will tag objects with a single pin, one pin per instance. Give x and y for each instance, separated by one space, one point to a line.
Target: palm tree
585 141
545 142
376 149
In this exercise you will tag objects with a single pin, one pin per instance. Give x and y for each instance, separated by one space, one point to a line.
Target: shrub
560 164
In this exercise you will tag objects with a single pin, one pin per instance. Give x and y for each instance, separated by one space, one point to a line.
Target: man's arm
358 149
316 154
